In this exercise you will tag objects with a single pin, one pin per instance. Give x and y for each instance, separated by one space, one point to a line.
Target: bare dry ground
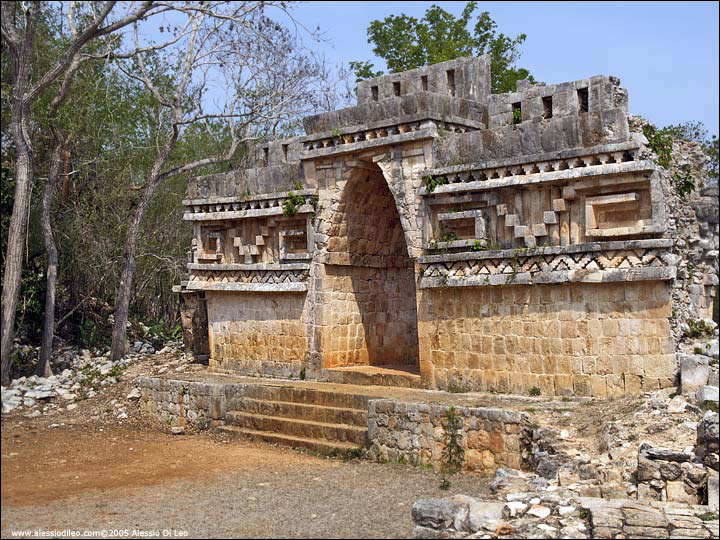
85 477
88 470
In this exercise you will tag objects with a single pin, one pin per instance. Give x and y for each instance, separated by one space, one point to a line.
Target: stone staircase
325 422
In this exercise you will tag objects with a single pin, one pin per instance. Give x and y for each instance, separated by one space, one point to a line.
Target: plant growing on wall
453 454
517 116
431 182
292 204
660 142
684 182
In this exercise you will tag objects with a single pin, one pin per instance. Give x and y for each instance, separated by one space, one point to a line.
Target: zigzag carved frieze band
250 276
530 264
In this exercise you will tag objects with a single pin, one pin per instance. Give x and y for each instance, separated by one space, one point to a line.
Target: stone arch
369 278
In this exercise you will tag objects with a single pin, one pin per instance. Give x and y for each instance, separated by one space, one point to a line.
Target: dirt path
74 477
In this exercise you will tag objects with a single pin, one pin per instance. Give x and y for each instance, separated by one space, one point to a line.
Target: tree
266 80
20 23
696 132
405 42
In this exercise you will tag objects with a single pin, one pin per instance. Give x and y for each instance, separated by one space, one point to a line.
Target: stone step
299 428
312 396
324 447
302 411
374 376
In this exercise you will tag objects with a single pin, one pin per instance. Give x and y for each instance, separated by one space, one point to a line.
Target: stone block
678 491
559 205
439 513
712 491
483 512
549 218
707 393
694 372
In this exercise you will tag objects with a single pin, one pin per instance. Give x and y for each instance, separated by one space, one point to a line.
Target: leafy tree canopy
696 132
405 42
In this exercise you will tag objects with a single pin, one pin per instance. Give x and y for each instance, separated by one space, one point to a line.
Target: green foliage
707 516
449 236
302 374
698 328
292 204
89 334
660 142
484 246
7 197
113 125
696 132
31 301
534 391
517 116
453 453
405 42
683 181
431 182
363 71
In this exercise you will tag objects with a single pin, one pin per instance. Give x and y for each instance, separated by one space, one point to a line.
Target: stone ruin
489 242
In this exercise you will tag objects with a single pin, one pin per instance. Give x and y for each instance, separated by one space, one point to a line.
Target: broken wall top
451 103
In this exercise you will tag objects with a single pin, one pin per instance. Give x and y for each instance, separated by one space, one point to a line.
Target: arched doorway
369 280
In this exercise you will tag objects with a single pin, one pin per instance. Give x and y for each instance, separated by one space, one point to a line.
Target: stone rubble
550 513
556 512
79 374
667 475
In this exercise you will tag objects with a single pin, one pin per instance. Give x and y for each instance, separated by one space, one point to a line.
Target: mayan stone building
438 235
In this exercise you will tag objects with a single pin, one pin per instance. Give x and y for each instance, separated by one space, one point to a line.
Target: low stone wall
624 518
182 402
559 515
666 475
415 432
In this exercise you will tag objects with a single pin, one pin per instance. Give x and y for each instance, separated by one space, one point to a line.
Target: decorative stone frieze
498 242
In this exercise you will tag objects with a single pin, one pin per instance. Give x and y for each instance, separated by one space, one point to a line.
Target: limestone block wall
372 316
587 339
414 433
257 333
181 403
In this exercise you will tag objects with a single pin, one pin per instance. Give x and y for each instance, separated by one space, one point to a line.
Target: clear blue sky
665 53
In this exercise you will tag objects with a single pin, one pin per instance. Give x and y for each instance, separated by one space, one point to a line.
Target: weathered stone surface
438 513
410 214
713 493
481 513
707 393
694 372
414 433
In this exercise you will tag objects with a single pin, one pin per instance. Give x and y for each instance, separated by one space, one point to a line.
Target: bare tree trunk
119 334
16 234
66 180
44 369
